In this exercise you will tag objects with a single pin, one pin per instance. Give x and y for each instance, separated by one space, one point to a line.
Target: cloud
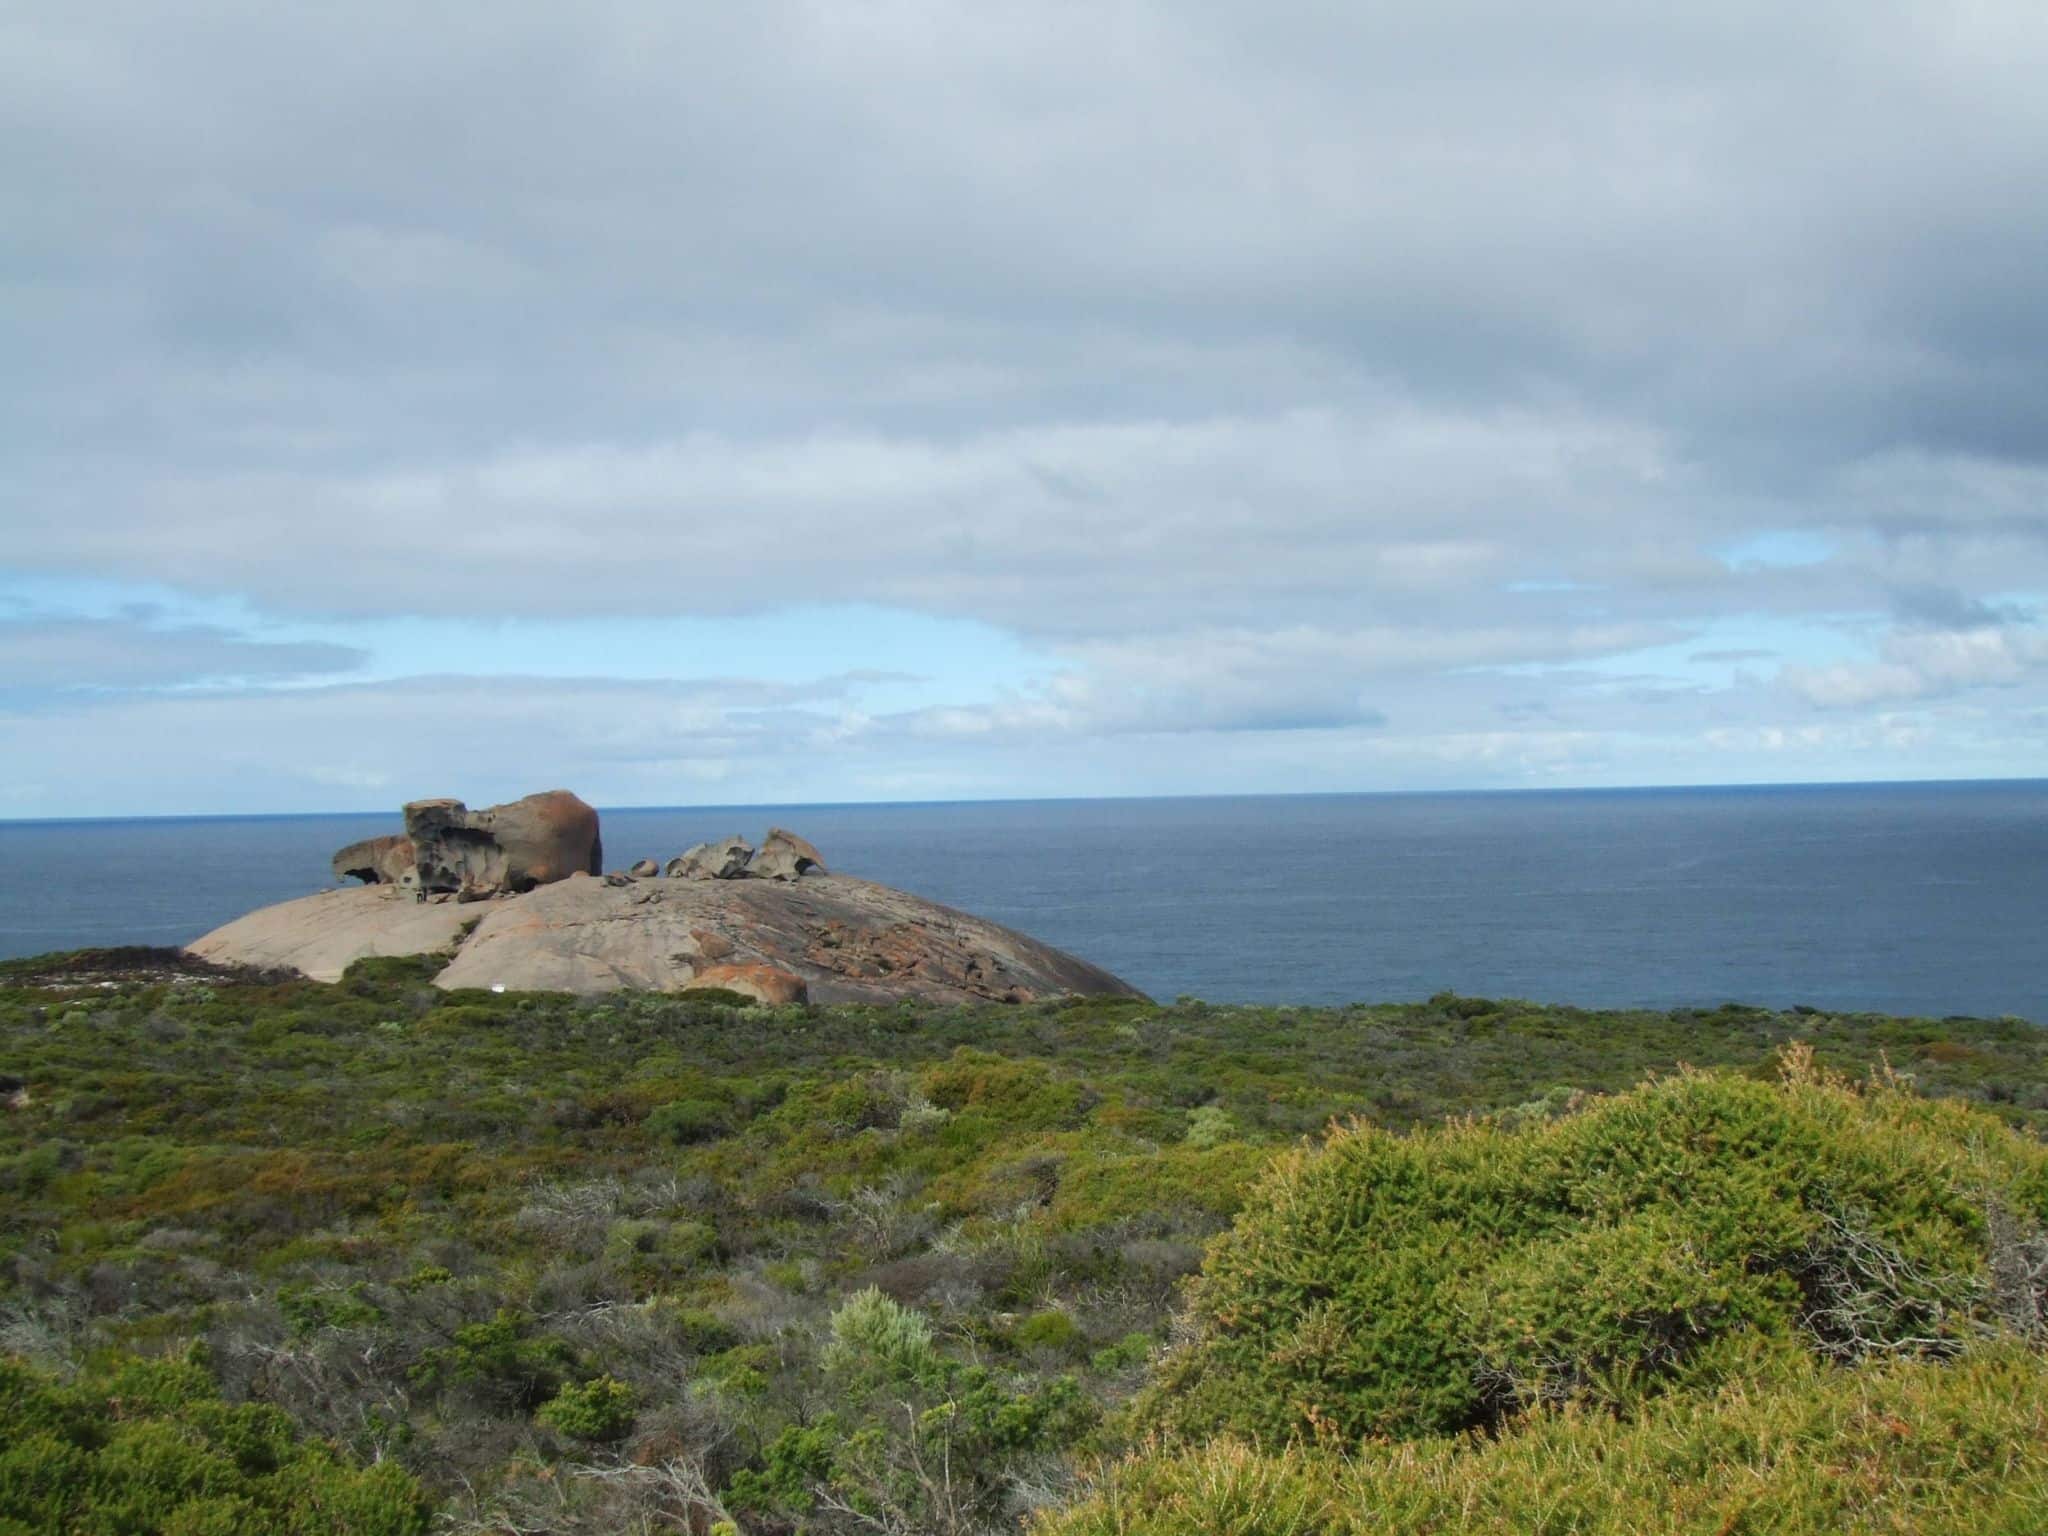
357 745
1926 664
45 653
1398 377
1942 607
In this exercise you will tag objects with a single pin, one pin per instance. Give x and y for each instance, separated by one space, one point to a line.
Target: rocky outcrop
387 860
726 858
763 983
319 935
785 856
503 848
846 940
507 895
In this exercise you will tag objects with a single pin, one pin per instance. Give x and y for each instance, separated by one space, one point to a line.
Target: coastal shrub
685 1121
138 1446
500 1362
1793 1447
878 1340
597 1410
1398 1285
1019 1095
410 1220
1052 1332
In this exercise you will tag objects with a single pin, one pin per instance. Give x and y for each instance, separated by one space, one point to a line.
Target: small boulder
645 869
618 877
725 859
763 983
785 856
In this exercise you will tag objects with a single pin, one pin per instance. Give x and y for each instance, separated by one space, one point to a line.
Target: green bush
1401 1285
500 1361
877 1340
147 1446
1051 1331
686 1121
598 1410
1795 1448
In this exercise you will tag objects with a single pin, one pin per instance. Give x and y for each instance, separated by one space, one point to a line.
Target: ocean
1914 898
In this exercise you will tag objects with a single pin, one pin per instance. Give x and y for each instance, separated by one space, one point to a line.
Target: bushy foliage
414 1222
877 1340
137 1447
1390 1284
1789 1446
601 1409
688 1120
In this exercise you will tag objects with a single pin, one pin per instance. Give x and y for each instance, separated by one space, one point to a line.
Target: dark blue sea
1923 898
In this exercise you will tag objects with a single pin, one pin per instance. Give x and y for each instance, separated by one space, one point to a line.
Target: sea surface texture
1928 898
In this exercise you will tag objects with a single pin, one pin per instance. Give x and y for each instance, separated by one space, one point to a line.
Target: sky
883 400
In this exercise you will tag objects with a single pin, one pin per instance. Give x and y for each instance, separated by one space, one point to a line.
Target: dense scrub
145 1445
1786 1447
657 1263
1396 1285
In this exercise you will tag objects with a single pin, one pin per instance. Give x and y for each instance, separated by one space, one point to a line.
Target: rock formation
763 983
785 856
502 848
773 926
725 859
387 860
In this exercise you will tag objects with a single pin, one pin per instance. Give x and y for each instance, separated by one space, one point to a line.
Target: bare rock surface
837 938
319 935
847 940
763 983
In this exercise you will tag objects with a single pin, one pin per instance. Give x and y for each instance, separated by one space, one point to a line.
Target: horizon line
1307 794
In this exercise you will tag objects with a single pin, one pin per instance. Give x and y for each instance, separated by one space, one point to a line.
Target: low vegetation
1385 1285
671 1264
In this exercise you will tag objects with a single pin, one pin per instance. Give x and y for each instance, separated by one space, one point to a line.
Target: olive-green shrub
601 1410
1793 1448
139 1447
1397 1285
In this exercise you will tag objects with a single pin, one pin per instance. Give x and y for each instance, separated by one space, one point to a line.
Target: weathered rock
318 936
514 847
386 860
763 983
644 869
724 859
847 940
552 924
785 856
710 946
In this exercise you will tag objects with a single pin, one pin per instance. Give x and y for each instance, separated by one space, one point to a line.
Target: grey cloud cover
1424 380
58 654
